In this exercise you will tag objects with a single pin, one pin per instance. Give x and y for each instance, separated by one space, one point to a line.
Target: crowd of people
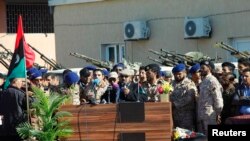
199 95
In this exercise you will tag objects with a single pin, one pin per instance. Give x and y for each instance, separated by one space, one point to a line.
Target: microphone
109 89
82 85
116 87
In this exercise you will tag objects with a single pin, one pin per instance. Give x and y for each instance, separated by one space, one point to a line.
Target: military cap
113 74
43 71
153 67
228 64
208 63
121 65
195 68
71 78
30 70
105 72
90 67
34 73
127 72
179 68
85 72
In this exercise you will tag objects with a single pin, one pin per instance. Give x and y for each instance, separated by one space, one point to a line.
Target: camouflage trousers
202 125
184 119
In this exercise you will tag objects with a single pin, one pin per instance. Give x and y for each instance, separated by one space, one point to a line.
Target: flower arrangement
181 134
164 89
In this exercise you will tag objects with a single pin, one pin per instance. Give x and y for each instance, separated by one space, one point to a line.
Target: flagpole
25 67
26 82
27 98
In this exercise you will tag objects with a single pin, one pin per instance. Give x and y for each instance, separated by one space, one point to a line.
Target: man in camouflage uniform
227 82
71 88
153 74
210 102
183 99
85 84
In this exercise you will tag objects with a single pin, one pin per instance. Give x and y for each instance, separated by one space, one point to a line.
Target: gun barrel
172 55
155 60
173 62
156 52
232 50
92 60
53 64
179 58
161 62
6 50
4 63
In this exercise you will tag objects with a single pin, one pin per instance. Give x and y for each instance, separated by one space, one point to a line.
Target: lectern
103 122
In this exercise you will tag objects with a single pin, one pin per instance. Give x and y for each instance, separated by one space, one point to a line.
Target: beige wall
84 27
45 44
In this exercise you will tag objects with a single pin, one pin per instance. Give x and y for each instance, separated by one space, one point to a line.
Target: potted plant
46 111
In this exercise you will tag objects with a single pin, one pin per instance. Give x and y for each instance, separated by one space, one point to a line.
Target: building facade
37 24
96 28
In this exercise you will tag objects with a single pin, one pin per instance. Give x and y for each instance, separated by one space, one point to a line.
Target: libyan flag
22 53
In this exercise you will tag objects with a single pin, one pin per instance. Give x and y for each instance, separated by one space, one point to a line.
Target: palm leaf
64 132
61 114
46 109
23 129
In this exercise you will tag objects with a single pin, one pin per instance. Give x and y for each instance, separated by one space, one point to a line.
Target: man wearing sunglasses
129 89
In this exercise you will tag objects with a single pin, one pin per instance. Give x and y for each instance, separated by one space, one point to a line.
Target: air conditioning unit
197 28
136 30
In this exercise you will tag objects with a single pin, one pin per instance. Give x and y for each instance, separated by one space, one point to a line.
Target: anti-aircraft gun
163 60
171 59
232 50
53 64
7 54
179 58
95 62
2 61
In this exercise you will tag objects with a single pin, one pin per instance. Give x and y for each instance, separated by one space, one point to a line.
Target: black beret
153 67
85 72
228 64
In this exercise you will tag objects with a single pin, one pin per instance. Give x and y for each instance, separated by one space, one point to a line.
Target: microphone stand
109 89
95 93
93 100
138 92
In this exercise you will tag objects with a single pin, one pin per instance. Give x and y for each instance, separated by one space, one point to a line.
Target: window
36 17
113 52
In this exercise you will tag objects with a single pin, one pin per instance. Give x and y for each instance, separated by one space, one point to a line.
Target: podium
103 123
